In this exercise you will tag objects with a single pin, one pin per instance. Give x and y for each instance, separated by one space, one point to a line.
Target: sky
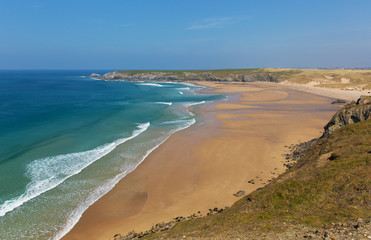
184 34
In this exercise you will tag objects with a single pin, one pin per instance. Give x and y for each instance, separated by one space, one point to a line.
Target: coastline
239 140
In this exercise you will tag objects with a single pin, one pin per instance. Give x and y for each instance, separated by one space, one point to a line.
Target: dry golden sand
201 167
330 92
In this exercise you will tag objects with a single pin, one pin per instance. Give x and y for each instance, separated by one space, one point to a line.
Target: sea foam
194 103
102 190
48 173
187 105
166 103
150 84
192 85
184 88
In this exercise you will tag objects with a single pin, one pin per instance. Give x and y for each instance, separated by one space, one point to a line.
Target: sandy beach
330 92
233 141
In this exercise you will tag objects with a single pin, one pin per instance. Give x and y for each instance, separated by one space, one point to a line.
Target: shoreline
71 224
135 203
62 234
113 183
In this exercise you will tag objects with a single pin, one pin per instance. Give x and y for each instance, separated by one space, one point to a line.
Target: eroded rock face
349 114
114 76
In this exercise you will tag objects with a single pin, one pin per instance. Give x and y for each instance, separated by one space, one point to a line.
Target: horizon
192 35
174 70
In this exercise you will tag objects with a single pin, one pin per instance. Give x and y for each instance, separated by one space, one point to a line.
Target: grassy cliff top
331 183
335 78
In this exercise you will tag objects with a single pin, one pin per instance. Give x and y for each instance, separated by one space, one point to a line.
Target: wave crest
166 103
48 173
150 84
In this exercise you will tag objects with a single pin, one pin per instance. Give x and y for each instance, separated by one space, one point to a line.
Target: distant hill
333 78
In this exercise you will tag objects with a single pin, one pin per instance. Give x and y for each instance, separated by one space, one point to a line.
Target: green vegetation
331 183
333 78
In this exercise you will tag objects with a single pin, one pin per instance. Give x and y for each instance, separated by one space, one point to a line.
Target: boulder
239 194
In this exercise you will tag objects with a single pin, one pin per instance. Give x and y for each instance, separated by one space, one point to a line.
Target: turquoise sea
66 140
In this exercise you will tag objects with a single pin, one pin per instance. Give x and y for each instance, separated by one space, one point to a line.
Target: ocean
66 140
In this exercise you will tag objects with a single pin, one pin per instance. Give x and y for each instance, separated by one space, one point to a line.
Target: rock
339 101
239 194
364 100
297 152
349 114
117 237
95 75
333 156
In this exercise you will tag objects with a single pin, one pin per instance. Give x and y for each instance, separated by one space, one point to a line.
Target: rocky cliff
349 114
189 76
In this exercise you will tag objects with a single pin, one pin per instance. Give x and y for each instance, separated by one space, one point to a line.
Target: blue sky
187 34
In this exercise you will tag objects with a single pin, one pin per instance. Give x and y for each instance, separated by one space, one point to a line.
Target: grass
314 192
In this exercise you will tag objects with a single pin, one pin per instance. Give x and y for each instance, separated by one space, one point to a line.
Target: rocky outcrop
349 114
188 76
139 77
259 78
95 75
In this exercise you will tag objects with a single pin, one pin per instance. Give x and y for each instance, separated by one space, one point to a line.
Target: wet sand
234 141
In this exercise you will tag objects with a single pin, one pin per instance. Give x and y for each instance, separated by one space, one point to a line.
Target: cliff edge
350 114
